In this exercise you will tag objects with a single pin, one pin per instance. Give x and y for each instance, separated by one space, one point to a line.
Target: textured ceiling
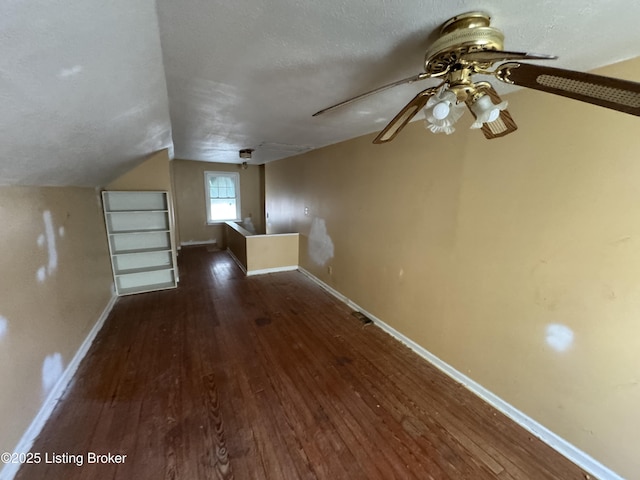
90 87
82 90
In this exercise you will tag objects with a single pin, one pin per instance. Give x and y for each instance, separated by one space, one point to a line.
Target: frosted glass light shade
486 111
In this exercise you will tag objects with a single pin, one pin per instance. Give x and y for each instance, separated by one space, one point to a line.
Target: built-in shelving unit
139 230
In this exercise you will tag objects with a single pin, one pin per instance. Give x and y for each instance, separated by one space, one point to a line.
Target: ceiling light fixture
245 154
442 111
485 110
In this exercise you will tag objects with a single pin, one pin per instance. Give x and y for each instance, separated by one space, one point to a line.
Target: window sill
222 222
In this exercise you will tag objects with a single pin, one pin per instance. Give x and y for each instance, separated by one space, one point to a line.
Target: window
222 194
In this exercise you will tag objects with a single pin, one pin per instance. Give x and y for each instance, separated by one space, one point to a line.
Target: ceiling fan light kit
486 111
442 112
467 46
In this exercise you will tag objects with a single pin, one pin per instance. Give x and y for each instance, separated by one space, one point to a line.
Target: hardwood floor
269 377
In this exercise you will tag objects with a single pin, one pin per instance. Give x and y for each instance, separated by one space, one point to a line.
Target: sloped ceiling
82 90
88 88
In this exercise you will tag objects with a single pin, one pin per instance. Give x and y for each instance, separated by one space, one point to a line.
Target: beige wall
154 173
192 216
236 242
55 281
260 253
489 253
266 252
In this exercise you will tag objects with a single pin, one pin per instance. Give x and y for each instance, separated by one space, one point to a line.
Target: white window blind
222 194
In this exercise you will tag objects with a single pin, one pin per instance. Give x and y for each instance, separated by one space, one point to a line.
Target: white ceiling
88 87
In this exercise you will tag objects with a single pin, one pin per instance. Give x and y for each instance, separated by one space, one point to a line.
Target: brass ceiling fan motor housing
469 32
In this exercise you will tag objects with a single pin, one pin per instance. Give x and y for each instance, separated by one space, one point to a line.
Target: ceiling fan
469 46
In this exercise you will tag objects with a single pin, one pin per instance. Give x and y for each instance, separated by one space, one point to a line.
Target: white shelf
124 242
140 241
147 288
146 261
127 200
144 280
109 212
137 221
130 271
136 232
135 251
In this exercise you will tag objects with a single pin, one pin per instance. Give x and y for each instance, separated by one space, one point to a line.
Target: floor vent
362 317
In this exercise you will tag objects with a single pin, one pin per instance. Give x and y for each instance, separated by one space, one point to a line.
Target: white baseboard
577 456
26 442
235 259
288 268
248 273
191 243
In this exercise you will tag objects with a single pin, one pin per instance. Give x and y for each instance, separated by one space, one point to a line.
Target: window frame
235 177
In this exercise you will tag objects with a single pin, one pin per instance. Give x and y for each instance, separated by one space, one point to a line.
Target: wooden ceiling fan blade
491 56
504 125
404 116
414 78
613 93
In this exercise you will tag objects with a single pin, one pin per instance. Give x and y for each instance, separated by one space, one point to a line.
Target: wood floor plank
319 409
449 404
376 414
270 377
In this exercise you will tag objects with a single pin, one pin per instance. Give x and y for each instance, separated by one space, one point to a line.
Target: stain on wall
515 260
52 370
47 241
559 337
320 244
4 327
55 284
